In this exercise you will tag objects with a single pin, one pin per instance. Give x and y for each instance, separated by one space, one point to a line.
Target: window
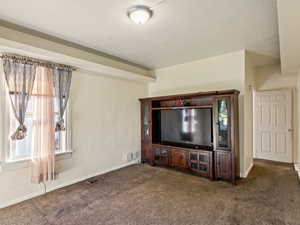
21 149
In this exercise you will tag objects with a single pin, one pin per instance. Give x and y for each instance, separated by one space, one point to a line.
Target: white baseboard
65 184
79 179
246 173
297 168
21 199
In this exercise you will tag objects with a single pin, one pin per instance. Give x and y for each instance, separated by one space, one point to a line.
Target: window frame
5 162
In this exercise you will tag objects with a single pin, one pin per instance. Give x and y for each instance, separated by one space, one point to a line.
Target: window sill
25 163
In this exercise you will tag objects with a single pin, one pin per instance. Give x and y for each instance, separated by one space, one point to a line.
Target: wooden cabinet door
224 138
223 166
161 156
146 151
201 162
222 118
146 131
179 159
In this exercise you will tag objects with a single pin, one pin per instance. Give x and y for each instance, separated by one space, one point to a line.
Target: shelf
194 161
180 148
183 107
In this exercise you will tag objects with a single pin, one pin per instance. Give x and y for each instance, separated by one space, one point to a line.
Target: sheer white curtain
43 138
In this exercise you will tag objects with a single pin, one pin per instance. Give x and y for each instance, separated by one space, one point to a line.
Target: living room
179 58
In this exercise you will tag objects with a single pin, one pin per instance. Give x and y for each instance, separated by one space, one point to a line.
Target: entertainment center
197 133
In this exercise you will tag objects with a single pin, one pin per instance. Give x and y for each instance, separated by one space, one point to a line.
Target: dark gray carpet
141 194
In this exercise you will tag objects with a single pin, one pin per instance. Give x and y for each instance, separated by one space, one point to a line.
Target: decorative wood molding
184 107
190 95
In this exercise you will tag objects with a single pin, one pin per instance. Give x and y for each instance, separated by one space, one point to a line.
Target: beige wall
270 78
289 35
105 126
297 150
216 73
248 113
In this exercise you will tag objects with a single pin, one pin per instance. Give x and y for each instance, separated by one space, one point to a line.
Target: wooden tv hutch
219 163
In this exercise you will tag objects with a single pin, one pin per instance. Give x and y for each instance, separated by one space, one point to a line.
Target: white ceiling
180 31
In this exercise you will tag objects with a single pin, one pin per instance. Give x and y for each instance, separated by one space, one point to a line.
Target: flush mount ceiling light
140 14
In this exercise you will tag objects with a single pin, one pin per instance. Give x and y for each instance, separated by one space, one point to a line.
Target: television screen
186 126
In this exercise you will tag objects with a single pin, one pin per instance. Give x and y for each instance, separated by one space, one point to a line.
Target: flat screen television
184 127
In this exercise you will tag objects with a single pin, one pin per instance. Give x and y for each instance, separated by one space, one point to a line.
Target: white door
273 125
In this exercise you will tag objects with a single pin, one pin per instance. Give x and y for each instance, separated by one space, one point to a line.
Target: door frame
292 94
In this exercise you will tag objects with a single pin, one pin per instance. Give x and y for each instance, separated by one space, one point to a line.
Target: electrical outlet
129 156
133 156
136 155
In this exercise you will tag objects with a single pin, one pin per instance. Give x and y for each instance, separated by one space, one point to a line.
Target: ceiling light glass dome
139 14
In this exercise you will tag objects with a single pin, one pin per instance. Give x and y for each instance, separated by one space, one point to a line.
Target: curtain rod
29 60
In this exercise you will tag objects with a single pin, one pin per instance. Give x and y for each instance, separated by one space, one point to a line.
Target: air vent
91 181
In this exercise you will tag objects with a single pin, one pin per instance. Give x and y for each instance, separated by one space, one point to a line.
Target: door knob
290 130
